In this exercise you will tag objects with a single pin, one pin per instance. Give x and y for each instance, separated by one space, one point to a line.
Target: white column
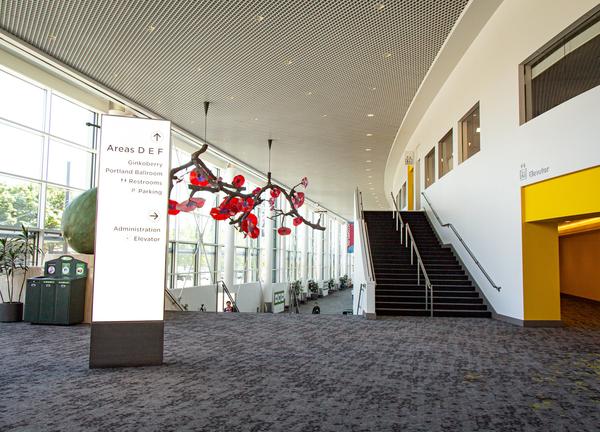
268 238
229 242
304 250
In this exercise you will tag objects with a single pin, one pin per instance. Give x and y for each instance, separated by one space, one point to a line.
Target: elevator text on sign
131 224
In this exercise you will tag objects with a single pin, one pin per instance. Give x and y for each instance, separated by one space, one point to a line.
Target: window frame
431 154
461 146
440 162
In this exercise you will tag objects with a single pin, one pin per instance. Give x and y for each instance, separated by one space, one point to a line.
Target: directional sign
131 225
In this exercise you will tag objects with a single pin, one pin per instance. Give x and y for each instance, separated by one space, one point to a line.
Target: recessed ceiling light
370 115
372 188
231 97
308 93
370 176
368 169
387 55
151 28
373 88
199 68
368 161
289 62
369 134
379 6
259 18
368 149
324 115
255 118
52 37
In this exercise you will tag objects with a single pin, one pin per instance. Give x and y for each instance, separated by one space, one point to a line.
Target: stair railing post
418 275
426 297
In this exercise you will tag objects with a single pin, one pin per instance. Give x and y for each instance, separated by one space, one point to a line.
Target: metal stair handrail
364 233
414 250
398 217
451 226
226 291
174 301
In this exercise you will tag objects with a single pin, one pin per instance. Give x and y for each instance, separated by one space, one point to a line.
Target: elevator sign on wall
131 224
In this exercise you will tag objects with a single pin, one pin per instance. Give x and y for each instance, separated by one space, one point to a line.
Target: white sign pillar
131 242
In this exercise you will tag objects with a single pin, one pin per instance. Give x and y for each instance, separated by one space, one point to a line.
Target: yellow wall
410 192
544 205
580 264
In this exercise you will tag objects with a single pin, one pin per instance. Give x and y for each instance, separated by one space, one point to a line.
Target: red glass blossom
231 205
304 182
249 223
190 204
218 213
173 207
247 204
297 221
256 191
254 233
275 192
198 179
283 231
298 199
238 181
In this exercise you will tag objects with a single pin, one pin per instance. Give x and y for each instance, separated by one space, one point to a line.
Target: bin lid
65 267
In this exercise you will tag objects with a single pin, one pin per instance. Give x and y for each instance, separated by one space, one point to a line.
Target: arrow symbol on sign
154 215
157 136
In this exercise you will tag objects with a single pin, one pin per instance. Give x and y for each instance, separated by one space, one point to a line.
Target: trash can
58 297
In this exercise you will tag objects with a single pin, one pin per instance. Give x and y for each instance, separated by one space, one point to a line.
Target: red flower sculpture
237 206
283 231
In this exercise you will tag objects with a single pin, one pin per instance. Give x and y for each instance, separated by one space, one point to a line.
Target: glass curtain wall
48 158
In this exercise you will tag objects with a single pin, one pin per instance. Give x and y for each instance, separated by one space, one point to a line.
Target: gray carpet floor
246 372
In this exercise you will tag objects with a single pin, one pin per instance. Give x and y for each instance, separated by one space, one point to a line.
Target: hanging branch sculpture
237 206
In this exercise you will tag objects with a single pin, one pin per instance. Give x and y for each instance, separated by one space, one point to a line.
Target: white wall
481 196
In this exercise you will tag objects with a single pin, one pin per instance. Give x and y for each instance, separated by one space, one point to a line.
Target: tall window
566 67
194 249
430 168
48 157
470 133
445 154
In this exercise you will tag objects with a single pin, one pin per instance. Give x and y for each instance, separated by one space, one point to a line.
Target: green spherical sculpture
79 222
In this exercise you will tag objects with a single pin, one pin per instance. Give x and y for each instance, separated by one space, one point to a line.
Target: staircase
397 291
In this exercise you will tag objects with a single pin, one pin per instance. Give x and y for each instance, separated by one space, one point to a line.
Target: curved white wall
481 196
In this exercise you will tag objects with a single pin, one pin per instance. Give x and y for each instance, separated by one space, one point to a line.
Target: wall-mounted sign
131 224
278 301
524 173
409 158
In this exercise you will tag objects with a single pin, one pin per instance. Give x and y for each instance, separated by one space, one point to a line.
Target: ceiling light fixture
259 18
368 169
369 134
379 6
308 93
289 62
373 88
387 55
368 149
370 115
51 37
368 161
324 115
151 28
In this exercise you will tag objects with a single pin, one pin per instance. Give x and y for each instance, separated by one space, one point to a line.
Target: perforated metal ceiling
304 72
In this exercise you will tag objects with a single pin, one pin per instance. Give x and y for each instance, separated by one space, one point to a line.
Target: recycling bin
58 297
